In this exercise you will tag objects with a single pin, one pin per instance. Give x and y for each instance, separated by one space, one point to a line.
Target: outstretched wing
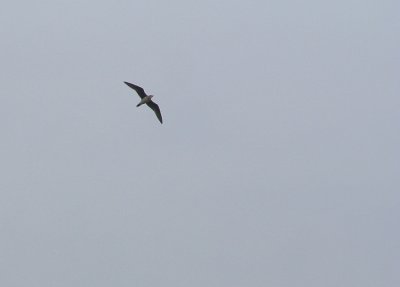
156 109
138 90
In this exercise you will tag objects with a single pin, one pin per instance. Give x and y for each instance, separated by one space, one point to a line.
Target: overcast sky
277 164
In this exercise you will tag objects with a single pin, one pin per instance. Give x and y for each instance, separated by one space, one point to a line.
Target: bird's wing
138 90
156 109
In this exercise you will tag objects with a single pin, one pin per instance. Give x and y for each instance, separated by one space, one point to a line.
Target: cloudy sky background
277 163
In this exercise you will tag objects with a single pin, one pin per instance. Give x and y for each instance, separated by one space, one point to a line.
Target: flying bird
146 99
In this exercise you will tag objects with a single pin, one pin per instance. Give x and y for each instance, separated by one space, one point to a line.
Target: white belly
145 100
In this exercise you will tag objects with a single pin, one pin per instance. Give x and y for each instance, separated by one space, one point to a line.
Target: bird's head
150 96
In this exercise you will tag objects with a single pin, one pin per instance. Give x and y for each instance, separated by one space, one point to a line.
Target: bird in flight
146 99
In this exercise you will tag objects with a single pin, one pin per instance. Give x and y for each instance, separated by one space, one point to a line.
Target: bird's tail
138 105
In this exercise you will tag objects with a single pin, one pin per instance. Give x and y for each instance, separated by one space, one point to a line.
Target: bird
146 99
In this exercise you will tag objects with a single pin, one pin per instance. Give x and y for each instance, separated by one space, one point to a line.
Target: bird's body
146 99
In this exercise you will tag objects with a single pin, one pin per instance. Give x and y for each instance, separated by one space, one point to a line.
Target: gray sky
277 163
